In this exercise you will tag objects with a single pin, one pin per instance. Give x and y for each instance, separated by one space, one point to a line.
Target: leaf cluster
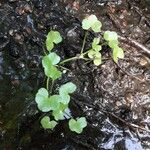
112 38
57 104
94 52
91 22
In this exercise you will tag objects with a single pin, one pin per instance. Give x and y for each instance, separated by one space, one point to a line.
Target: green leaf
58 115
86 24
97 61
96 27
54 102
50 70
96 41
49 45
65 90
117 53
52 37
47 124
110 36
77 126
97 47
42 100
98 55
45 103
91 54
91 22
56 37
54 58
82 121
120 53
113 43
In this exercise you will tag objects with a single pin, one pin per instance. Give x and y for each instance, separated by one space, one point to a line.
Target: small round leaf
47 124
110 36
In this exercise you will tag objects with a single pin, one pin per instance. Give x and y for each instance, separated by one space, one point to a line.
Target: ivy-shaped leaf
45 103
47 124
117 53
96 27
52 37
59 113
91 22
65 90
42 100
110 36
95 45
48 63
96 56
113 43
77 125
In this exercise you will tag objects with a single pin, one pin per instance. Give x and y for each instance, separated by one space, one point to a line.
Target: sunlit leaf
110 36
54 102
96 27
59 113
77 126
47 124
97 47
52 37
46 103
65 90
91 54
97 61
96 41
86 24
50 70
42 100
113 43
117 53
54 58
91 22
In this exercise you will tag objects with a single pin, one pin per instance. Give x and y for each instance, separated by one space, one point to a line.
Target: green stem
105 43
51 90
44 51
69 59
47 84
83 45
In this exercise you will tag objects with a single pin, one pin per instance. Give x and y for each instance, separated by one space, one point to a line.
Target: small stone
143 62
11 32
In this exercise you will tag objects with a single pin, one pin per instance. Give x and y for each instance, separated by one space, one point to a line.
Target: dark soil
115 98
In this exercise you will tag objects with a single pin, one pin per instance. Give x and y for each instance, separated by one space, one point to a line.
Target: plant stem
47 84
69 59
83 45
51 90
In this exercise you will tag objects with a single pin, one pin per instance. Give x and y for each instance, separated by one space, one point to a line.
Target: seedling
112 39
56 104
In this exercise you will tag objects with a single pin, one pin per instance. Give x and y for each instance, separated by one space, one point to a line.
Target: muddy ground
115 99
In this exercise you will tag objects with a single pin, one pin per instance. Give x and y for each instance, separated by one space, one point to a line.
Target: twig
134 44
83 45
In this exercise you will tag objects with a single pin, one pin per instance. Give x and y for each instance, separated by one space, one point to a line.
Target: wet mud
115 98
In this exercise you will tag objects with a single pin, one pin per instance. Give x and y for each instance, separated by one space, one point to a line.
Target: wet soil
115 98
